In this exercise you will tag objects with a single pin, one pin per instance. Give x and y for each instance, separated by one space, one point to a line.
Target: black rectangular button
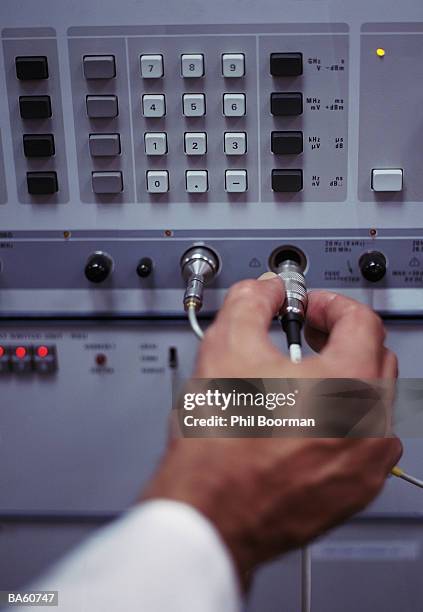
29 68
38 145
286 64
287 143
45 359
287 180
35 107
286 104
4 359
42 183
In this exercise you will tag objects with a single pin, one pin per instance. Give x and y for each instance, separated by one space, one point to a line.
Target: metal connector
199 266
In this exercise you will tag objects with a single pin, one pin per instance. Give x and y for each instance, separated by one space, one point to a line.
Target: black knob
99 267
373 266
145 267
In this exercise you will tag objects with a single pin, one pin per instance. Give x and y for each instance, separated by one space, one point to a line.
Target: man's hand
269 495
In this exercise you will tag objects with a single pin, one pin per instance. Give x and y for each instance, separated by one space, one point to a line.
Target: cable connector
293 311
199 266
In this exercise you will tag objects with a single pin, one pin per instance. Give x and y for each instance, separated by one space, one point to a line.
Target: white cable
295 353
193 321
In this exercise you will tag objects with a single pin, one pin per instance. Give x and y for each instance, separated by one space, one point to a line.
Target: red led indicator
2 351
42 351
101 359
20 352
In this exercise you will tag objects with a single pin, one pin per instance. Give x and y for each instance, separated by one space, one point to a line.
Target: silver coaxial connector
199 266
295 289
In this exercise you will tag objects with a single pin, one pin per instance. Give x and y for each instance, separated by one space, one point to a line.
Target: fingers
250 306
356 333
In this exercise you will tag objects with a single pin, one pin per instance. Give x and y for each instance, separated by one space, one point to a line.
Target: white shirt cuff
161 556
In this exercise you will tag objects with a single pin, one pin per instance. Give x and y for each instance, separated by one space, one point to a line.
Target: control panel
133 142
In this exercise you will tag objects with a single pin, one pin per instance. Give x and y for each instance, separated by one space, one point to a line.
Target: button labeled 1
236 181
192 65
233 105
196 181
233 65
155 143
157 181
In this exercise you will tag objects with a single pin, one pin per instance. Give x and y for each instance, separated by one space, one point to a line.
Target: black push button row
42 183
30 68
35 107
286 64
286 181
287 143
286 104
38 145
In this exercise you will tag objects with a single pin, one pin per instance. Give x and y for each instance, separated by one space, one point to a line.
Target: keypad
212 116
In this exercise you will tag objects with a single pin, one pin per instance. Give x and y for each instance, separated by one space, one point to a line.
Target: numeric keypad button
157 181
233 65
196 181
235 143
234 104
194 105
192 65
151 66
195 143
236 181
153 105
155 143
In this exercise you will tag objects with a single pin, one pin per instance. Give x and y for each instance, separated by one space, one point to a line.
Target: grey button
99 66
107 182
102 145
102 106
387 179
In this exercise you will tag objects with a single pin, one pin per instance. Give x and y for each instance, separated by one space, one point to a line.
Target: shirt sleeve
160 556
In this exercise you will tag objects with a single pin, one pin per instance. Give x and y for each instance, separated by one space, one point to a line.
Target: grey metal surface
3 191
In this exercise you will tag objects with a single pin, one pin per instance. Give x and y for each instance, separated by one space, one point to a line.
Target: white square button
151 66
388 179
195 143
233 65
192 65
196 181
234 105
235 143
157 181
153 105
155 143
194 105
236 181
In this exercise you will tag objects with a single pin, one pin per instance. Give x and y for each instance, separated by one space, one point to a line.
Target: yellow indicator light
380 52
